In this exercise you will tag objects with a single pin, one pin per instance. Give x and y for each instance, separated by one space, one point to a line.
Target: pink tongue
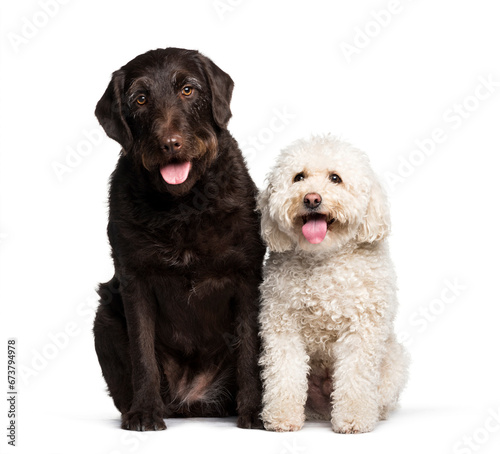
315 230
176 173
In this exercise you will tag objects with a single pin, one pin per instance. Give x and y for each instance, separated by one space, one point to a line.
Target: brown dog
176 330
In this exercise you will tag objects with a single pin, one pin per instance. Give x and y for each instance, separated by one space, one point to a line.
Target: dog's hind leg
393 377
111 344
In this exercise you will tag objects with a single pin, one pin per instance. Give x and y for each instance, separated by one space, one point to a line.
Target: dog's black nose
173 143
312 200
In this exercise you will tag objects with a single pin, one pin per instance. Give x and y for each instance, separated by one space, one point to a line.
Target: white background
410 77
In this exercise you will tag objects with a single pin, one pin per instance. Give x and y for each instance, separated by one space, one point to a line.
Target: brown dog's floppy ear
221 86
376 223
109 111
277 240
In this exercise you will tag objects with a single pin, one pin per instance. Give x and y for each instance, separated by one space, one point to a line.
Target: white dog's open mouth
315 227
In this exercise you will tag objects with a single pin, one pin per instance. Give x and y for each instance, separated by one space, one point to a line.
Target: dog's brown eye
299 177
335 178
187 90
141 100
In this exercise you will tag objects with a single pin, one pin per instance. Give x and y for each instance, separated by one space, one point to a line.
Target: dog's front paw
352 425
143 420
284 425
250 420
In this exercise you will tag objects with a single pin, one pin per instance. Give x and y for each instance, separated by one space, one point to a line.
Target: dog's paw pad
283 426
250 421
352 427
142 421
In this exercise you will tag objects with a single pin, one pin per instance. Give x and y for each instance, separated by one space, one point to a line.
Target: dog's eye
335 178
299 177
141 100
187 90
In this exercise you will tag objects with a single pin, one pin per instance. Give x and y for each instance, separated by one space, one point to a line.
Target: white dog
329 292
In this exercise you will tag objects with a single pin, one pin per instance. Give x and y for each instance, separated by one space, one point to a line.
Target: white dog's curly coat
329 292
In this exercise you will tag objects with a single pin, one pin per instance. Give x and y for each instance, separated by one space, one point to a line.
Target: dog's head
322 194
166 108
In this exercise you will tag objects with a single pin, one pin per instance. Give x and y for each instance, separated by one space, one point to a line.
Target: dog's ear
109 111
376 223
221 86
277 240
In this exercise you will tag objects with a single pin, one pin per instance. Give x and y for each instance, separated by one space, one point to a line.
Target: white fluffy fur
328 308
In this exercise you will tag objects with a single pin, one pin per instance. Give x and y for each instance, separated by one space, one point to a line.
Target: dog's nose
312 200
173 143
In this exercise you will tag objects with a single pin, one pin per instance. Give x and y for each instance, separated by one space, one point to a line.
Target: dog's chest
326 299
324 303
329 288
200 243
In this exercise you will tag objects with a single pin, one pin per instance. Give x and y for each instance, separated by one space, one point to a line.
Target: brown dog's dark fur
176 331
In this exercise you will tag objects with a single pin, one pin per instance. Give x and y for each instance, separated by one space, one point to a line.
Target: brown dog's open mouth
315 227
176 173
